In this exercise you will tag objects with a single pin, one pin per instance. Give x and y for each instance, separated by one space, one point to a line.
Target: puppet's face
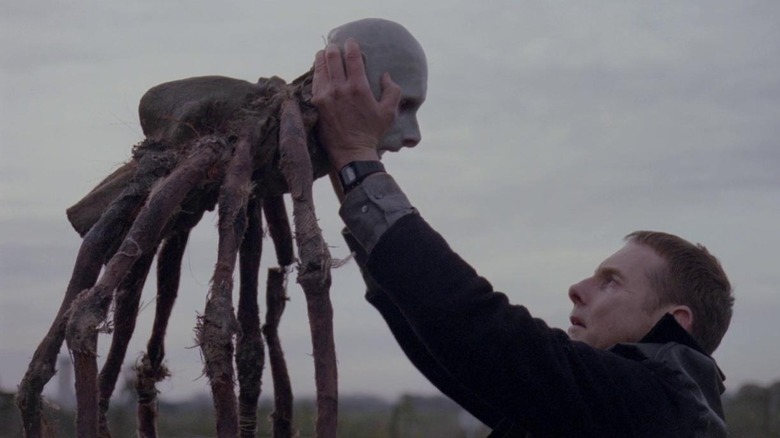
411 74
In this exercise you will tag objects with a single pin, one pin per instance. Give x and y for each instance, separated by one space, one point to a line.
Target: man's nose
576 293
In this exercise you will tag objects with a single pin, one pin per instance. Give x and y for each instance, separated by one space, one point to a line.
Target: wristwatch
355 172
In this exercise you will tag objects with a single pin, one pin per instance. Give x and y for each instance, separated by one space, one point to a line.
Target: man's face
613 305
411 74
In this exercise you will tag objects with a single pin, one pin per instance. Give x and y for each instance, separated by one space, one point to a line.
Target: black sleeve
415 349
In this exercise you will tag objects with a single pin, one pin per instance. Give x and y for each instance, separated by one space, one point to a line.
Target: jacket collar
667 329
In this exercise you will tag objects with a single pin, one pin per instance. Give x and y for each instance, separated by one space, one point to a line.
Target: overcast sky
551 130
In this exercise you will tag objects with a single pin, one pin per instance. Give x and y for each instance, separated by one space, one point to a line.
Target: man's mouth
576 322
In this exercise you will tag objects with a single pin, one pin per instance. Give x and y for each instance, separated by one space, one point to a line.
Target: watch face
354 172
348 174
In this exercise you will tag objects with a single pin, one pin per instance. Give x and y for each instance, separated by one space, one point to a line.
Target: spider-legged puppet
239 146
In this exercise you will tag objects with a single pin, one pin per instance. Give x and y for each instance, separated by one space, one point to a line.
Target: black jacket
516 374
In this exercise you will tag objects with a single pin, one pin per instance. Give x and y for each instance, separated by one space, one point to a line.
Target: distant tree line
754 411
751 412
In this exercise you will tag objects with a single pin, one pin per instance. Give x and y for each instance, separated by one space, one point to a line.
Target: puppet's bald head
389 47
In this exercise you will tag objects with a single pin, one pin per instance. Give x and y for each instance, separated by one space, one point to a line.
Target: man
636 360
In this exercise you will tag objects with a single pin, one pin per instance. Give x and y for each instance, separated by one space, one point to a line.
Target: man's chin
576 332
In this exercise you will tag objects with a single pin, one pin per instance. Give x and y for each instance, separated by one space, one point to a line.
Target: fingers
349 112
332 70
334 63
331 65
391 94
353 62
320 73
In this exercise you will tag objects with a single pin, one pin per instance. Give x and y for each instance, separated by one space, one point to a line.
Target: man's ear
683 315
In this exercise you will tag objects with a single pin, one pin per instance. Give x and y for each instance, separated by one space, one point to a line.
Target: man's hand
351 120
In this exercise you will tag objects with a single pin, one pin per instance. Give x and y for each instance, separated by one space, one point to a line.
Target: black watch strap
355 172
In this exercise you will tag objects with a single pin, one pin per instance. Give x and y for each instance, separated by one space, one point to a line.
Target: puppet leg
250 353
218 324
276 298
90 308
150 369
127 298
98 243
314 268
275 212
